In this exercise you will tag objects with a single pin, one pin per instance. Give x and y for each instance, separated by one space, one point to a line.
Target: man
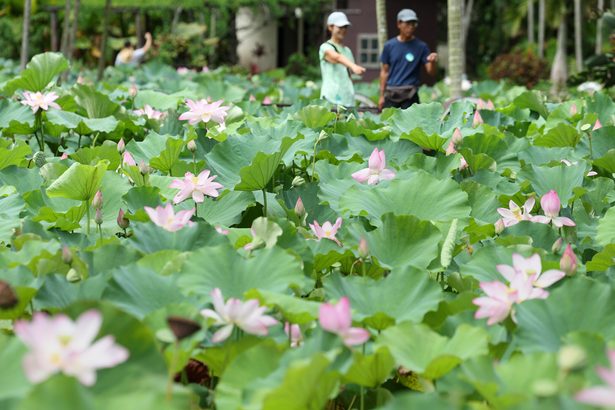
129 56
402 58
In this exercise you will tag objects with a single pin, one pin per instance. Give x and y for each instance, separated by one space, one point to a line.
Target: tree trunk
466 16
455 56
300 33
599 27
73 30
105 34
541 28
139 27
54 29
66 28
381 22
176 16
530 22
25 34
578 36
559 70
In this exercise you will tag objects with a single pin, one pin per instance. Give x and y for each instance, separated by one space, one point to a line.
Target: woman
337 63
129 56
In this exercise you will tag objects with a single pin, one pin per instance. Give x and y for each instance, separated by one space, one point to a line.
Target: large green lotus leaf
606 228
169 156
91 155
424 116
601 104
603 260
79 182
420 349
140 291
40 71
371 130
223 267
563 179
483 201
533 101
10 208
481 265
151 147
423 196
256 176
490 144
138 197
397 152
335 180
294 309
80 124
543 155
225 210
577 305
158 100
440 166
419 137
16 118
13 154
57 293
24 296
562 135
537 234
602 140
478 161
370 370
404 240
607 161
113 188
314 116
414 400
13 382
403 295
149 238
95 104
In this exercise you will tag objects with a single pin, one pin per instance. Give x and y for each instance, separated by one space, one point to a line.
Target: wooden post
25 34
54 29
105 34
139 27
530 22
541 28
65 28
578 40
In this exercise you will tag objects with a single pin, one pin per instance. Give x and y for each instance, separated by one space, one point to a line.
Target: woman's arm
334 57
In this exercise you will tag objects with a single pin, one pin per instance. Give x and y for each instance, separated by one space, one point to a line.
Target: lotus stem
264 203
88 218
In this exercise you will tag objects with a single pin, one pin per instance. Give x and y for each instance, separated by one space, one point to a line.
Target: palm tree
27 11
530 22
599 27
578 46
559 71
105 34
381 19
541 28
455 51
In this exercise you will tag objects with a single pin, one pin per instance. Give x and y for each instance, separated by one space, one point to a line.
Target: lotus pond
208 240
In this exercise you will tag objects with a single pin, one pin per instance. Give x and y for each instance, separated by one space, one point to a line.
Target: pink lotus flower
484 105
477 119
515 214
205 69
252 98
376 170
551 205
294 333
57 344
601 396
196 187
149 112
39 100
568 163
166 218
183 70
530 267
248 316
573 109
597 125
497 304
337 319
327 231
202 111
64 156
267 100
128 159
300 209
133 90
568 262
121 146
221 230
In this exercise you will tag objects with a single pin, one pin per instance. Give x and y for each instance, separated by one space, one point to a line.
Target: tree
105 34
578 45
27 11
559 70
455 50
541 28
466 18
530 22
599 27
381 19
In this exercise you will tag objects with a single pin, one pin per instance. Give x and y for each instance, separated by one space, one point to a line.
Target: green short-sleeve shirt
337 86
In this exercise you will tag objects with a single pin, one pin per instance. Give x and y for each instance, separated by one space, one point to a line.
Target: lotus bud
67 255
571 357
98 218
499 226
144 168
550 204
457 136
568 262
122 221
573 109
363 249
477 119
121 146
133 90
298 181
39 159
191 146
300 209
597 125
322 136
8 298
557 245
73 276
97 202
544 388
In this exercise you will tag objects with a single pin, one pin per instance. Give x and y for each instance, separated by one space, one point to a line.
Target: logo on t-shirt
409 57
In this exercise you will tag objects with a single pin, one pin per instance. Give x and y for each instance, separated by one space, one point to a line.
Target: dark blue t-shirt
405 59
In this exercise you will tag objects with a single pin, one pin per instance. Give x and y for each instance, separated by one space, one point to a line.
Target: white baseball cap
337 18
407 15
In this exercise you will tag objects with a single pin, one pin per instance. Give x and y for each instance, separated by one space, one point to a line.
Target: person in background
129 56
401 61
337 63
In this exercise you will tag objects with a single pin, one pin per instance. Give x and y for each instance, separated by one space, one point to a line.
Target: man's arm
432 64
336 58
384 76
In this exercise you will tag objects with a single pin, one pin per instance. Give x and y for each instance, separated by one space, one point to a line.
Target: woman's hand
357 69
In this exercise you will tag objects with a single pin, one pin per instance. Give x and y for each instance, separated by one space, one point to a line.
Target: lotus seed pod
73 276
39 159
67 255
571 357
298 181
191 146
8 298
